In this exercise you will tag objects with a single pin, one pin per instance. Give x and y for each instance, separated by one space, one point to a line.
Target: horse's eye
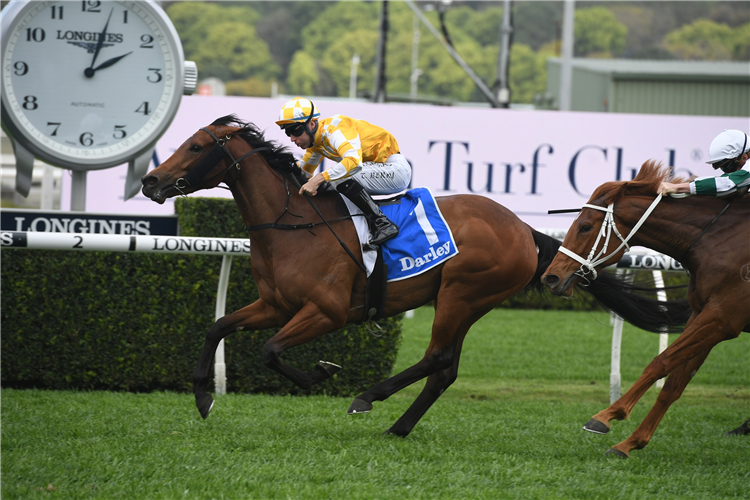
585 228
196 148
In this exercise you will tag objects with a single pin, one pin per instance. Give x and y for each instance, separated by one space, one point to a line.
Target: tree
528 73
193 21
702 39
336 60
302 75
223 42
598 33
337 20
741 51
536 23
233 51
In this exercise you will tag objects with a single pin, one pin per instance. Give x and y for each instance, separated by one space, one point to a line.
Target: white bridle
608 225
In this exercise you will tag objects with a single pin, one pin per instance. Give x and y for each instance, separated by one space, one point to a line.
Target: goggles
294 129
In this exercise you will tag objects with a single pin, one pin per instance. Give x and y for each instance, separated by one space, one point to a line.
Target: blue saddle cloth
424 240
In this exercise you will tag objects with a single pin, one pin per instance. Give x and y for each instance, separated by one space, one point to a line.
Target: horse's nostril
550 279
149 180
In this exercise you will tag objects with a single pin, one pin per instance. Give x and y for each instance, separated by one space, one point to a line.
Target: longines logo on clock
88 36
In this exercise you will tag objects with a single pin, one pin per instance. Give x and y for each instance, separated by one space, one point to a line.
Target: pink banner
528 161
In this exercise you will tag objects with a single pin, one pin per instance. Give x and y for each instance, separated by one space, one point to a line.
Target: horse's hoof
330 369
596 427
393 432
359 406
205 404
742 430
616 453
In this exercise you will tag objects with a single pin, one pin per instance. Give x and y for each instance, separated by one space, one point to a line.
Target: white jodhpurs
390 177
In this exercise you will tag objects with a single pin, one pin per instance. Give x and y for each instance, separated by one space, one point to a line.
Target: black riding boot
381 228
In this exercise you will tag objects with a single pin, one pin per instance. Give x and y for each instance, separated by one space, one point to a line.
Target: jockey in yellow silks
368 160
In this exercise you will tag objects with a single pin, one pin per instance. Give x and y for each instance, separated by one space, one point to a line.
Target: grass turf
508 428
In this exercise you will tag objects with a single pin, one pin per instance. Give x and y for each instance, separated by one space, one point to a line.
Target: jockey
729 151
368 160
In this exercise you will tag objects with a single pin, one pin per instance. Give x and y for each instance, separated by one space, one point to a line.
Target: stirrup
384 234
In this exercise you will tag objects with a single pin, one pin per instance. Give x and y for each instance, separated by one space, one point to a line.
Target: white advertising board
528 161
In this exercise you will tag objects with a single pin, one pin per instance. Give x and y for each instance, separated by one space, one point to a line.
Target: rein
217 154
588 265
708 227
290 227
274 225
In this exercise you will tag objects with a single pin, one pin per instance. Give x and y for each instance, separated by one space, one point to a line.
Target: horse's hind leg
439 364
256 316
437 384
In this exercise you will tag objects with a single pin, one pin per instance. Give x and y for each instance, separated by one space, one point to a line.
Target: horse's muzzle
152 191
557 285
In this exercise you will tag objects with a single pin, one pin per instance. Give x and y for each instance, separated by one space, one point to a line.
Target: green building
657 87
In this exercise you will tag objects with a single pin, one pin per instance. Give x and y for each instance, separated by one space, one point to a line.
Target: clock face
90 83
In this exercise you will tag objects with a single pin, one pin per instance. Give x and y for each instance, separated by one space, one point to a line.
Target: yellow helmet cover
297 110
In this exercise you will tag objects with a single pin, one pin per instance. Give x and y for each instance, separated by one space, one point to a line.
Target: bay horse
497 258
715 254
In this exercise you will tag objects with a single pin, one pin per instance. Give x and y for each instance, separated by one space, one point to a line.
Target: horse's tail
617 294
546 250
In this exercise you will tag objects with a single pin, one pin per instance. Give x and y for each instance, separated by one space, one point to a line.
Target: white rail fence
644 260
225 247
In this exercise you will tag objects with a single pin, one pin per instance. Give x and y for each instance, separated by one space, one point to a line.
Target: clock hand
110 62
89 72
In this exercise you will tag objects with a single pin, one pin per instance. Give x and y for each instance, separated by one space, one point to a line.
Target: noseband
214 157
608 226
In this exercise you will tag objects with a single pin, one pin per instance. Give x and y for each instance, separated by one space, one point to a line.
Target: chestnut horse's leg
309 323
674 386
256 316
696 341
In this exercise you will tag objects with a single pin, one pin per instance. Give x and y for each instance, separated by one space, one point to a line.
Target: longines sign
125 243
85 222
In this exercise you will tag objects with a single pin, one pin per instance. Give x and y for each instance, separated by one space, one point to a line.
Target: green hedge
136 322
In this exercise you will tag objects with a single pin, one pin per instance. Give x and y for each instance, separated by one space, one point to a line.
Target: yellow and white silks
365 152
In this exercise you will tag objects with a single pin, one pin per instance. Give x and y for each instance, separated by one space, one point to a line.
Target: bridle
588 266
218 153
214 157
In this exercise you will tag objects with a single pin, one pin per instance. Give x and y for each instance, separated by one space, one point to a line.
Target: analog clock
90 84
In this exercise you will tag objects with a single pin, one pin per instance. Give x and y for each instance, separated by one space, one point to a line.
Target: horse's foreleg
671 392
256 316
308 324
699 338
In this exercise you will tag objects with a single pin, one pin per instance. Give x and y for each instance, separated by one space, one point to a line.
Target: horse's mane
646 182
277 156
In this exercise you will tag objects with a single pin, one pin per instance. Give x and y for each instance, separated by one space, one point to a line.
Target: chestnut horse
714 250
497 258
